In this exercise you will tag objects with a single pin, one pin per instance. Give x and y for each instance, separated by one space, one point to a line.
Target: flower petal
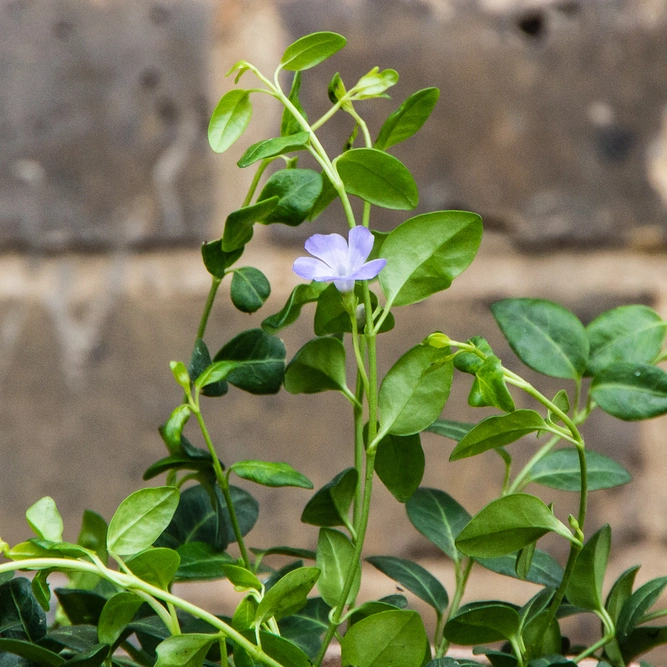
344 285
359 246
312 269
331 249
368 270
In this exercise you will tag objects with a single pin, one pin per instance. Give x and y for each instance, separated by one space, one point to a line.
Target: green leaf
489 388
584 589
633 334
483 622
306 627
318 366
30 652
497 431
188 650
438 517
524 560
326 197
81 607
180 373
156 566
335 555
140 519
295 552
508 524
311 50
283 651
396 637
93 657
288 123
93 534
21 617
620 592
260 361
238 225
269 473
415 578
399 463
413 393
288 595
425 253
216 260
545 336
229 120
171 431
560 470
43 517
249 289
273 147
631 391
641 640
300 296
448 428
544 570
241 578
297 191
244 614
116 615
41 589
378 178
332 502
375 83
637 605
408 119
201 562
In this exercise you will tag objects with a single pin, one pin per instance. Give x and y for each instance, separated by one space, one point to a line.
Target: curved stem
518 483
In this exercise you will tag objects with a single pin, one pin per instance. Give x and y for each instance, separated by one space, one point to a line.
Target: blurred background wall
552 123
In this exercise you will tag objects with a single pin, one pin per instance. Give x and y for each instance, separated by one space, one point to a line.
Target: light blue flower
338 260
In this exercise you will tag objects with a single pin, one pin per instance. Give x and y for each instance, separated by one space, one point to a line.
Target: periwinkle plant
118 609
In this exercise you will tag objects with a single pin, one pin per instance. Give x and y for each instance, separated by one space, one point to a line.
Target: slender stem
462 576
323 119
651 617
366 220
518 483
215 283
609 636
255 180
358 447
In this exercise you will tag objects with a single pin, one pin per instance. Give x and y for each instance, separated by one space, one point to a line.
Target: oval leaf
334 558
188 650
229 120
378 178
311 50
497 431
584 588
238 227
408 118
269 473
631 391
116 615
400 463
250 289
545 336
483 622
140 519
318 366
156 566
508 524
43 517
288 595
332 502
297 191
274 147
425 253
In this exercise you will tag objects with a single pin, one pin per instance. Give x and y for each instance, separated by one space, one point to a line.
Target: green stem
651 617
255 180
215 283
462 576
518 483
358 447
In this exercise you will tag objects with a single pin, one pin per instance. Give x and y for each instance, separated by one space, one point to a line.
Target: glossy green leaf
297 191
408 119
497 431
560 470
631 391
413 577
74 637
116 615
318 366
241 578
489 387
306 627
288 123
93 657
469 362
260 361
273 147
21 617
43 517
584 589
239 225
187 650
544 570
620 591
438 517
375 83
288 595
508 524
156 566
229 120
399 463
30 652
378 178
633 334
483 622
249 289
41 589
269 473
171 431
425 253
216 260
140 519
80 607
637 605
545 336
335 555
413 393
294 552
449 428
396 637
244 614
300 296
641 640
311 50
332 502
178 462
93 534
283 651
201 562
368 609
